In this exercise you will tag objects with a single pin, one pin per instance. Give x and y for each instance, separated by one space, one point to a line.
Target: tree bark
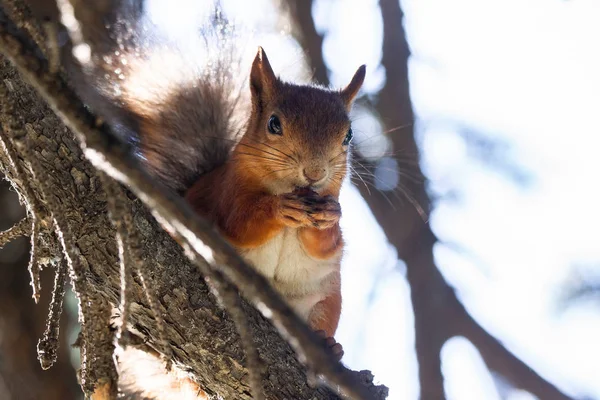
201 335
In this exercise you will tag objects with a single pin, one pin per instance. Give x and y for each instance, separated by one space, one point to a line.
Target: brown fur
179 105
327 314
259 191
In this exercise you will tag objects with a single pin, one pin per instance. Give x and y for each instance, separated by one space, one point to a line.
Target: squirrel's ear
262 77
350 91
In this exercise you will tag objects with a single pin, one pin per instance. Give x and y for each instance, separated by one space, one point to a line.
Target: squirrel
265 165
276 198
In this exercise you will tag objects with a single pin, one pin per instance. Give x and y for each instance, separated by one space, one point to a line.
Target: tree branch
193 233
501 360
300 12
47 348
435 303
22 228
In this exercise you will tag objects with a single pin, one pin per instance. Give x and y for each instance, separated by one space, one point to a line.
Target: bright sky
523 73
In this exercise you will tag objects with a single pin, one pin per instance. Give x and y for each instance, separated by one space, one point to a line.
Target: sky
517 224
525 74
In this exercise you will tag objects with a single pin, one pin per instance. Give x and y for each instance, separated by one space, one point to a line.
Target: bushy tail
179 102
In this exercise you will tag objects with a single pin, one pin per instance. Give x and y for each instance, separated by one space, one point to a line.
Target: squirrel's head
298 136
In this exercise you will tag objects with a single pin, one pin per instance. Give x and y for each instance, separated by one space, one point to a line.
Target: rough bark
201 335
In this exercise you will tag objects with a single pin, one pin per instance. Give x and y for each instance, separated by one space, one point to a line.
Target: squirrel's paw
309 210
335 347
293 211
325 212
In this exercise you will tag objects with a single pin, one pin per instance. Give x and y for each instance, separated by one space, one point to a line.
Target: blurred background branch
438 314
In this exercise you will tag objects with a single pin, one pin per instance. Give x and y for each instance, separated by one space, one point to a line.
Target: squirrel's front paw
309 210
325 212
294 210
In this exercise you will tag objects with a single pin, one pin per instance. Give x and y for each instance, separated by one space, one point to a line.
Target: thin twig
130 255
97 368
98 371
63 232
151 297
48 345
194 233
116 211
134 244
34 265
22 228
71 255
33 206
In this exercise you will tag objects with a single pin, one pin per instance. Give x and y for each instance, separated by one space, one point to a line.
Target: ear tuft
350 91
262 77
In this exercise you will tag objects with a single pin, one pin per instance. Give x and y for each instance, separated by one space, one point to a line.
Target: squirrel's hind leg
325 317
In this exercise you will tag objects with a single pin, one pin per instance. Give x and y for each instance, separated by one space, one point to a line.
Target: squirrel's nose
314 174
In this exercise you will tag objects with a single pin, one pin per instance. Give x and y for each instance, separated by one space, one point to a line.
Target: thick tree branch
195 235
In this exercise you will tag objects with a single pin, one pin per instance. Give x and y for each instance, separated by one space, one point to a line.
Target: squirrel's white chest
301 279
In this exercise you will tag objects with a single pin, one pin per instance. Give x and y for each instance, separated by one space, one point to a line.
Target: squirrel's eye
274 125
348 138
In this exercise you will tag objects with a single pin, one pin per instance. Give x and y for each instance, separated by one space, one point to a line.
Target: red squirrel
276 197
266 167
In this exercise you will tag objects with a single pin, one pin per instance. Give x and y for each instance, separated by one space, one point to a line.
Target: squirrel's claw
332 344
